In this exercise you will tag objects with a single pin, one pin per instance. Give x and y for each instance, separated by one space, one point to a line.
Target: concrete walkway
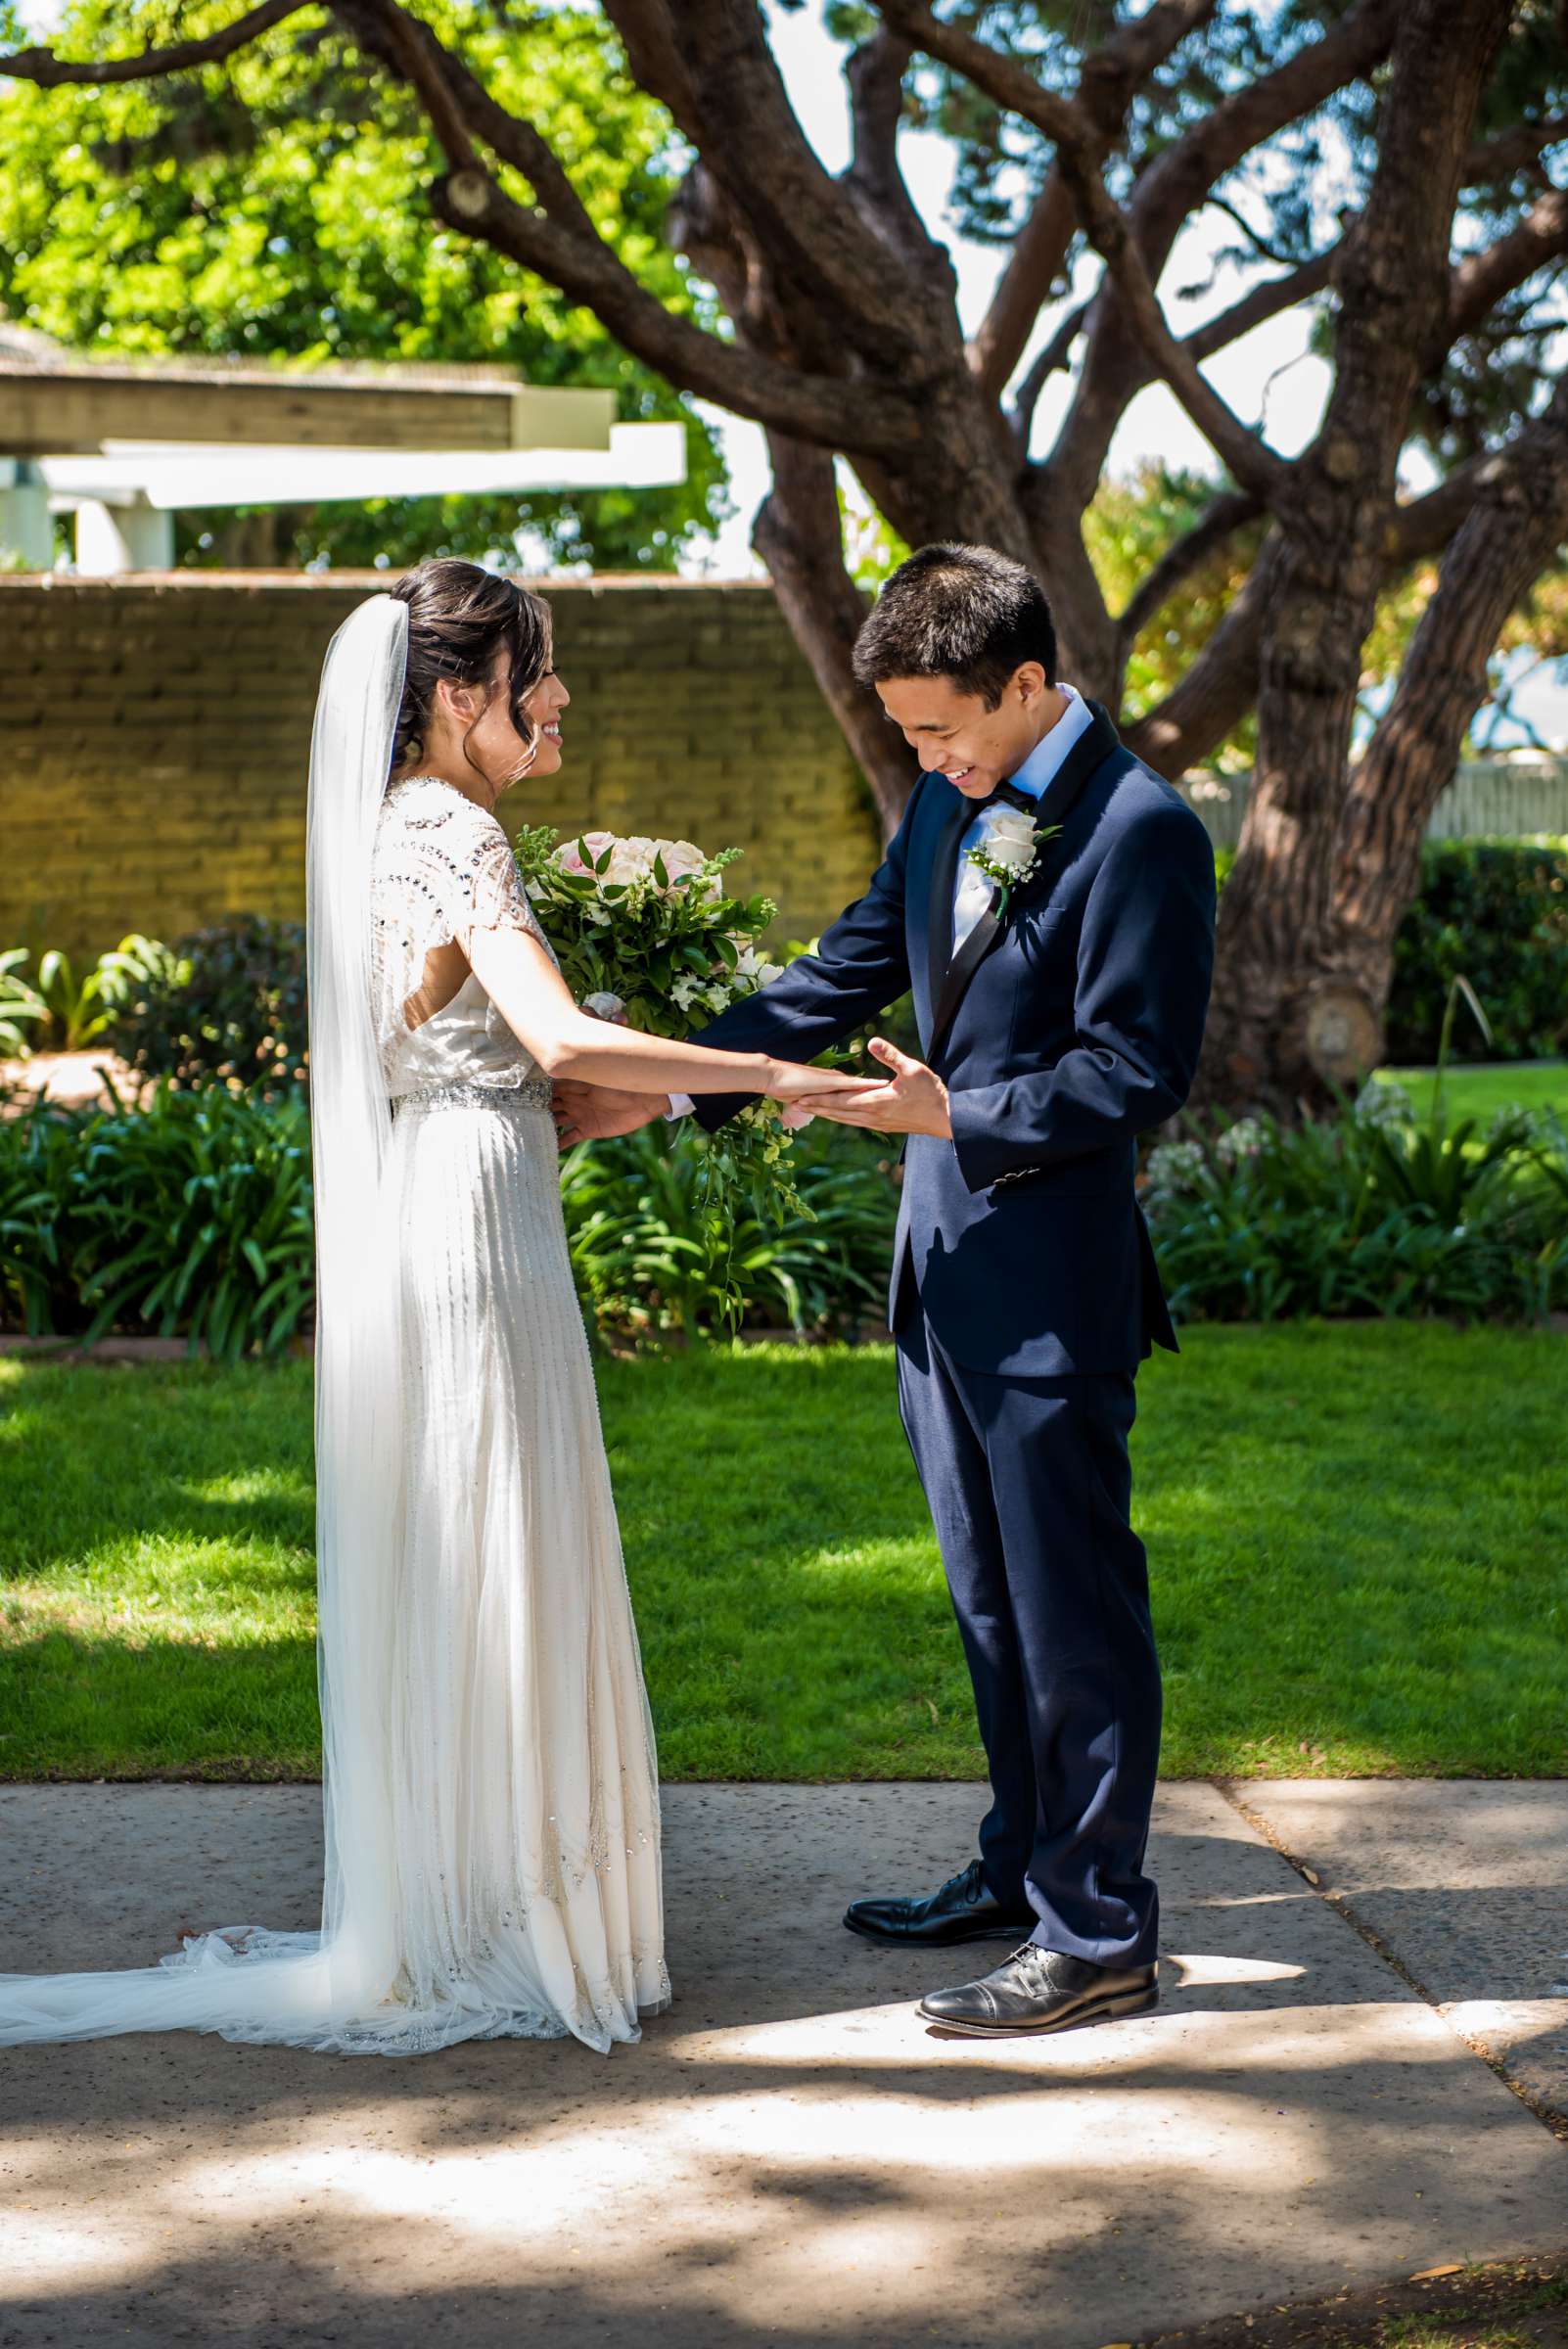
790 2156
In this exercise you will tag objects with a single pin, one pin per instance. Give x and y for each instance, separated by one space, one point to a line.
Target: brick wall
155 740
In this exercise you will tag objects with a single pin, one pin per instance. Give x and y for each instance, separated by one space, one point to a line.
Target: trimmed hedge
1495 911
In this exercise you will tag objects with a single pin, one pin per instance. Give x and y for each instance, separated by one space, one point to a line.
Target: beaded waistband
535 1093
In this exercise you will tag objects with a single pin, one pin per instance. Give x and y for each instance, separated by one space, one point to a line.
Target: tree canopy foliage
271 208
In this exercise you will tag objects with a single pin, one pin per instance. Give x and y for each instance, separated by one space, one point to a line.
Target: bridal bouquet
647 930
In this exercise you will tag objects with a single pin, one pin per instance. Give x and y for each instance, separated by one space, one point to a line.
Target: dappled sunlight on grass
1355 1536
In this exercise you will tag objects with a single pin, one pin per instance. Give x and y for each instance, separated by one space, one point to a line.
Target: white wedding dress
527 1827
491 1804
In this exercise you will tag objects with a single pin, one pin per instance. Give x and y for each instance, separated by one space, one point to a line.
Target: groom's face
952 731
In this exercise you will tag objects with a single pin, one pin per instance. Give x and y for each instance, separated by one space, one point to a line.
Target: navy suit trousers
1030 1487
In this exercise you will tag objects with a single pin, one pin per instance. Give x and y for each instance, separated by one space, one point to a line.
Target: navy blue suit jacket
1062 1031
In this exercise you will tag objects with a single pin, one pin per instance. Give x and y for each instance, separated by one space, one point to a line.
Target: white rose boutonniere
1009 853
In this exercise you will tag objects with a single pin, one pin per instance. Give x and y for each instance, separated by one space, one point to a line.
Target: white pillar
111 538
27 532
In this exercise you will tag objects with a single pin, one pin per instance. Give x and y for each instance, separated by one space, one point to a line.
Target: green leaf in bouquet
660 871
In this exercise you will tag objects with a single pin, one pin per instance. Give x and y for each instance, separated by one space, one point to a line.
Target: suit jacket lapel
1090 750
943 882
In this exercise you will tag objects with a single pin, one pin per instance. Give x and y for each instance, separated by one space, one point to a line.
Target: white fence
1504 799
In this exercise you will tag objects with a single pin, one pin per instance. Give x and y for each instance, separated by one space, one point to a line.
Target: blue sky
1269 376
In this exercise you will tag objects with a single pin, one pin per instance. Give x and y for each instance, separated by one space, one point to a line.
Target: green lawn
1357 1536
1480 1091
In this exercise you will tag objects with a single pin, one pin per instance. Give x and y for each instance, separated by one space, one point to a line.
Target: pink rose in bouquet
569 854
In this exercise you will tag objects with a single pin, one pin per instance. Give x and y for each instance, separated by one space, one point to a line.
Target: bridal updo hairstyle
967 612
460 619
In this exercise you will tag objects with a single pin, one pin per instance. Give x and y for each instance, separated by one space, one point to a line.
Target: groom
1060 985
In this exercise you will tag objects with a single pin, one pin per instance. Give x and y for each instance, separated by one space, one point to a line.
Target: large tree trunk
798 536
1510 536
1282 1029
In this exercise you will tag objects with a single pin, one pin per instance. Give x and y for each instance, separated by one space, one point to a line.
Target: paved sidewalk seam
1550 2116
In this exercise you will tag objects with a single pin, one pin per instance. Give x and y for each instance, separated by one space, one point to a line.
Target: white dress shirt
972 888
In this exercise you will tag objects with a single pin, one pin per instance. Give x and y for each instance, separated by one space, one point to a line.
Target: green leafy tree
272 209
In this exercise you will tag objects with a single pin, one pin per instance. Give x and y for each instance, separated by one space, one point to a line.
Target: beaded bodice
442 870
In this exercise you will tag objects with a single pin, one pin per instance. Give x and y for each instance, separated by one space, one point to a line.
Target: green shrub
189 1217
648 1258
20 1003
73 1012
228 1002
1363 1214
192 1218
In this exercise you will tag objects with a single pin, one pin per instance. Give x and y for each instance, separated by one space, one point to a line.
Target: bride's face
544 706
491 741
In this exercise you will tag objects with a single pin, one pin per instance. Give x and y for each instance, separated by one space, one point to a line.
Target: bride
490 1794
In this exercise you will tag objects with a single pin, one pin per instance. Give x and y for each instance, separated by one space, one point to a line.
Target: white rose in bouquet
632 859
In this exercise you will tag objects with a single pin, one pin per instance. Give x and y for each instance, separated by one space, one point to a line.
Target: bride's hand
789 1081
594 1113
913 1100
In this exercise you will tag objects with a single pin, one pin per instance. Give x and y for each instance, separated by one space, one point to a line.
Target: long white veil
338 1988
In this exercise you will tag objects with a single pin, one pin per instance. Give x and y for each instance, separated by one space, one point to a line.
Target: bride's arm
518 975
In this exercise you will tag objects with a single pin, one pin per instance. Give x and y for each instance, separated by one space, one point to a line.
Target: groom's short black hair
963 611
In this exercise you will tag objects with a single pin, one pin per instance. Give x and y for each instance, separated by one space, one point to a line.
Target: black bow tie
1008 795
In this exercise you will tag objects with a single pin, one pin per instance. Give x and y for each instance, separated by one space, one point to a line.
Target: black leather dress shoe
964 1910
1041 1990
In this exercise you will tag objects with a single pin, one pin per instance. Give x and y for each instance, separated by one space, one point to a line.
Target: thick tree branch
1051 359
747 131
1261 303
1221 521
1480 281
1511 151
648 35
558 240
875 74
49 71
1254 465
1116 366
798 536
1512 533
1036 262
1216 691
832 410
1110 78
1007 84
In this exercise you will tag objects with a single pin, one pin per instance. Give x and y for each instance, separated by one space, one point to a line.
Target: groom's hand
913 1101
593 1113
